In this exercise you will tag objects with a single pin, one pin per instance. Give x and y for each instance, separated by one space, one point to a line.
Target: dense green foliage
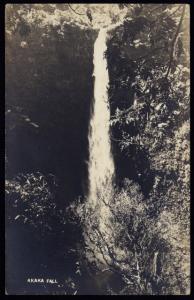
30 200
152 114
149 94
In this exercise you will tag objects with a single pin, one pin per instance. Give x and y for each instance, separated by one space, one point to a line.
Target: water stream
101 165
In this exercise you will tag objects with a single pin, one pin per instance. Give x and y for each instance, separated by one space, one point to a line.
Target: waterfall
97 223
101 166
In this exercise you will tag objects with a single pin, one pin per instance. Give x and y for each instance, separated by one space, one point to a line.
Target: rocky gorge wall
49 89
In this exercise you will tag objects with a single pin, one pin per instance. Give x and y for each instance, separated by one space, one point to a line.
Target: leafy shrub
120 236
30 199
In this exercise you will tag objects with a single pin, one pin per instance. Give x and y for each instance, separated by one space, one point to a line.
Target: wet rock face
49 89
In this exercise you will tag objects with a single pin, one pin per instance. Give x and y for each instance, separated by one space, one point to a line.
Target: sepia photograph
97 149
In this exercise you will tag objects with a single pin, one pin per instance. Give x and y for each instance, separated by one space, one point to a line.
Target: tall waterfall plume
101 166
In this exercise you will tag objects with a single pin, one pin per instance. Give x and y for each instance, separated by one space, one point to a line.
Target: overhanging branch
75 11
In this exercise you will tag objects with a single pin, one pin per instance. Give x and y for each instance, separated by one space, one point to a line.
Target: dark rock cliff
49 89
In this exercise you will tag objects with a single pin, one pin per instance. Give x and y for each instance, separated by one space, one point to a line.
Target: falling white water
98 223
101 166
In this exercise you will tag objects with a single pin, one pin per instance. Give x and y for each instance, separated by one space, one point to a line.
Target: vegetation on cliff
149 93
